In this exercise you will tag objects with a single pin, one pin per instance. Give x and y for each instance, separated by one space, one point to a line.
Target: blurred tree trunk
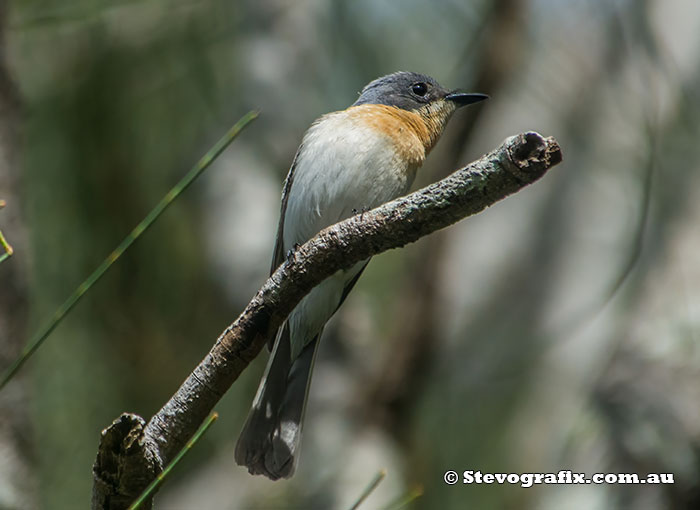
16 464
417 337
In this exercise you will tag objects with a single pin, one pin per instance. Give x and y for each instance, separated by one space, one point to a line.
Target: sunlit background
559 329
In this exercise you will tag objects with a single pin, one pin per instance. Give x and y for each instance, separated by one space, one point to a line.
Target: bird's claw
292 251
361 211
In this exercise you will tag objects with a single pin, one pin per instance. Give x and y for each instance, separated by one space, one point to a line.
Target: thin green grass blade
39 338
3 242
5 246
402 502
369 489
148 491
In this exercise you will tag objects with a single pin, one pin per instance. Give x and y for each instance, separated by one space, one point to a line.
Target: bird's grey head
411 91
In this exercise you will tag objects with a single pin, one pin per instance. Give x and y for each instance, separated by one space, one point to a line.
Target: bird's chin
435 115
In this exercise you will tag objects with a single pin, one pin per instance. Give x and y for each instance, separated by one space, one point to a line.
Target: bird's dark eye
419 89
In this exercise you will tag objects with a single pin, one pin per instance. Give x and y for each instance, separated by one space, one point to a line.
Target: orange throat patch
414 133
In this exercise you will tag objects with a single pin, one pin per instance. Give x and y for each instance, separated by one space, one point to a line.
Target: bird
348 161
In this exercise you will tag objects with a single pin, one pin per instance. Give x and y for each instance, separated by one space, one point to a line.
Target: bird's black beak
463 99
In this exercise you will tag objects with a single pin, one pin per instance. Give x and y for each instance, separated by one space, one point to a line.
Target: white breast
342 167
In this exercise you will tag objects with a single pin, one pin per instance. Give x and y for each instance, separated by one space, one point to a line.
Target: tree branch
132 453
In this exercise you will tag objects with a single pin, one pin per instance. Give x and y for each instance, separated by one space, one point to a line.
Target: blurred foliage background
556 330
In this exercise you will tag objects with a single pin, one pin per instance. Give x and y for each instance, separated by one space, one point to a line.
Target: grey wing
278 253
351 284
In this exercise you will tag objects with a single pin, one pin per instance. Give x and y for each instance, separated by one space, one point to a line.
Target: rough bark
131 454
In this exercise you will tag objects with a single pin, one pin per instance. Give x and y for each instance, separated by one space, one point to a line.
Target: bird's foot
361 211
292 251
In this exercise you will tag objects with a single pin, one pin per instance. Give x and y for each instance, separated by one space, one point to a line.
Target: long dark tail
269 442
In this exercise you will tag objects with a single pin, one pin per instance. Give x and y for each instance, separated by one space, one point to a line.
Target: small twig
38 338
155 484
369 489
